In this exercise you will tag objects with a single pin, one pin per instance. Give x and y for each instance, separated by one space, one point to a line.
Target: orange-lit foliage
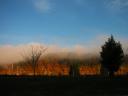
87 70
55 69
49 69
122 71
52 69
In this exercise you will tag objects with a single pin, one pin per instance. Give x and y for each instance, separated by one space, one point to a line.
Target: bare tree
33 57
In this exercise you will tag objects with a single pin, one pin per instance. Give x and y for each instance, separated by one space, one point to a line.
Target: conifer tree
111 56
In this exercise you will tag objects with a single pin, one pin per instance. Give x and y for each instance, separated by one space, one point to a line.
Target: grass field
63 86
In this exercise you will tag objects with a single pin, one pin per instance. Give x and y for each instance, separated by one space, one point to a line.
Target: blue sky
61 22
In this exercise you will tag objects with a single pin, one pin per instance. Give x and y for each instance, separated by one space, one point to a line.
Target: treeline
109 60
61 62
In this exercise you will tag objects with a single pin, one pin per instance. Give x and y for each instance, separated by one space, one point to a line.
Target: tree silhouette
74 68
111 56
33 57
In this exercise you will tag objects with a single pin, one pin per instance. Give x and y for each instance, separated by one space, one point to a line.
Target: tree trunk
34 72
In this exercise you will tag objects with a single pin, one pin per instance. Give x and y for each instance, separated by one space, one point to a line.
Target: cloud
10 53
116 4
42 5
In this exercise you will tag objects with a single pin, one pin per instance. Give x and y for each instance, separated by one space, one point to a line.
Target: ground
63 86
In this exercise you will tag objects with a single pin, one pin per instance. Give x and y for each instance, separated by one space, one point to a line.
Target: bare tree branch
33 57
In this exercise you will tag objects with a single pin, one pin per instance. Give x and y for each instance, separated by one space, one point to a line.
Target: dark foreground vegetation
63 86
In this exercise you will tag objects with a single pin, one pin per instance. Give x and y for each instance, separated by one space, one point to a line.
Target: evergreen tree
111 56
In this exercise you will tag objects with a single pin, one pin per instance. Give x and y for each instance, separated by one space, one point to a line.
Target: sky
62 23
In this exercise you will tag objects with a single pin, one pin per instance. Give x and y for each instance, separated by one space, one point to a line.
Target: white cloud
116 4
42 5
11 53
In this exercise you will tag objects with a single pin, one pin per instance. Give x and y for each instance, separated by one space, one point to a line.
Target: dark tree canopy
111 55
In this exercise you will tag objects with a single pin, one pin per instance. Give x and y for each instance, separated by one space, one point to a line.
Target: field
63 86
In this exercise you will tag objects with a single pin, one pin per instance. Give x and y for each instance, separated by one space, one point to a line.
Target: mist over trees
34 57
